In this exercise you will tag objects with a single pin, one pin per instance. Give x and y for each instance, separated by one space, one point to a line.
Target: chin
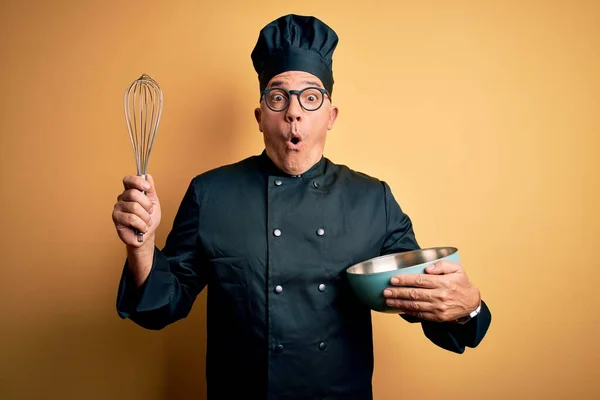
292 166
294 161
291 163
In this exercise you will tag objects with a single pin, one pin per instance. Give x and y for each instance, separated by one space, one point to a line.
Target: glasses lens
311 99
277 99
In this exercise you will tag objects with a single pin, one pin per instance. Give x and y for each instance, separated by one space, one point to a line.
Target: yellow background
483 116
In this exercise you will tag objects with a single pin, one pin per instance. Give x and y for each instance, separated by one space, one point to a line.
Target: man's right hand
136 210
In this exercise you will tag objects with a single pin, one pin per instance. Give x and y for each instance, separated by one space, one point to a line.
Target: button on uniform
279 348
316 184
322 346
278 289
278 182
322 287
277 232
320 231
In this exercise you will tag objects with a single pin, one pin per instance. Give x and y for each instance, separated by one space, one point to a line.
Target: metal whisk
143 106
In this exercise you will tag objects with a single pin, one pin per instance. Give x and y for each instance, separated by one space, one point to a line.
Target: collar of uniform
270 168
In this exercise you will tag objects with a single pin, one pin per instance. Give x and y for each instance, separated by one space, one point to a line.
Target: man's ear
333 113
258 117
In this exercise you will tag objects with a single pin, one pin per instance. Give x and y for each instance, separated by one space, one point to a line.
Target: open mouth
295 142
294 137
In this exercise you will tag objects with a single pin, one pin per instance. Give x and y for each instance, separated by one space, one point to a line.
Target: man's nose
294 110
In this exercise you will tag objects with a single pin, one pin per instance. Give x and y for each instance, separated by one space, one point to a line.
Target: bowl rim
392 255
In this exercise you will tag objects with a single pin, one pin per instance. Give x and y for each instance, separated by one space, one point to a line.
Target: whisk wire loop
142 102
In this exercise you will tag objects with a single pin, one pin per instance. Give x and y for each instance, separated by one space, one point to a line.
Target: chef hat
295 43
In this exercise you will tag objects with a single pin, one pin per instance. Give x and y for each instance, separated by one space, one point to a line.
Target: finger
409 294
134 195
151 193
131 207
127 235
129 220
410 306
415 280
443 267
136 182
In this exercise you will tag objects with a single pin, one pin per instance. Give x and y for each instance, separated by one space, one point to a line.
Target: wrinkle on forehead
290 78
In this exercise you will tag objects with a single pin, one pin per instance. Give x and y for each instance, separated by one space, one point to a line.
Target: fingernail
389 302
146 185
387 292
395 281
431 267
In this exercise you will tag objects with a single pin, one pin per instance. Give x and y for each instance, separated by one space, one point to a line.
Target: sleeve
455 337
399 230
450 336
175 278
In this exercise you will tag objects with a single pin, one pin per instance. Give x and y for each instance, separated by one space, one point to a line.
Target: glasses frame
298 93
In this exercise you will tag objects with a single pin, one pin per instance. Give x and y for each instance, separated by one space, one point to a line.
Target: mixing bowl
370 278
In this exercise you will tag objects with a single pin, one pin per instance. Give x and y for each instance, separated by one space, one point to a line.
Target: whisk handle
140 235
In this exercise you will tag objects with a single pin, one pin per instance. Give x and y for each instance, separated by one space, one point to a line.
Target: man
272 235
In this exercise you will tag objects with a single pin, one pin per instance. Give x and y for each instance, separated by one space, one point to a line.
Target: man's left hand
444 293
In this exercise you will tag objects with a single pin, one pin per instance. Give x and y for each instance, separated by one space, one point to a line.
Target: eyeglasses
310 98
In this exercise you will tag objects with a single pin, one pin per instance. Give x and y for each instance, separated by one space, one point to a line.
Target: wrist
143 251
466 318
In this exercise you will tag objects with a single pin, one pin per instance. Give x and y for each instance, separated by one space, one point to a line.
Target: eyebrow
278 84
313 83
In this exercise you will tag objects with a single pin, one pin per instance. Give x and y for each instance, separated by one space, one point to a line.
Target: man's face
295 138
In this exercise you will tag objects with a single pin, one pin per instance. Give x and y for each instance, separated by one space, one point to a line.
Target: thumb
443 267
151 192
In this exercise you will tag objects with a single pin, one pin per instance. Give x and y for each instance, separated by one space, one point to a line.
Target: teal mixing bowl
370 278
